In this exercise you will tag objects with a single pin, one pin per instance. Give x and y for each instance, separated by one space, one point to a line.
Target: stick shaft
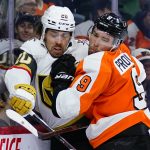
22 121
58 137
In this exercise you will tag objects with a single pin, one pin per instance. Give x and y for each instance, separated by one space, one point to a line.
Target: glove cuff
27 88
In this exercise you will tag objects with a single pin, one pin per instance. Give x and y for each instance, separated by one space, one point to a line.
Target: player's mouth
57 49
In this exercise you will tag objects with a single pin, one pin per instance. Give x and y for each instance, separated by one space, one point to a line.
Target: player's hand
23 100
62 72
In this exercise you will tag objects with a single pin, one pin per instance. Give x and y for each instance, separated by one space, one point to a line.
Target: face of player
100 41
57 42
25 31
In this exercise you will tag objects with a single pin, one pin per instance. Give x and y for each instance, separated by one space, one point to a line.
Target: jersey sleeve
35 47
86 87
24 69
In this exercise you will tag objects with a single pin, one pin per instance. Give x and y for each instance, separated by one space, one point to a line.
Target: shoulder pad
35 47
78 48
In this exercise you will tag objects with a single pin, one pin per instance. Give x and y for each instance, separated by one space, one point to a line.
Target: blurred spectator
128 8
79 7
42 6
143 4
139 29
144 56
26 6
33 7
101 7
3 18
25 26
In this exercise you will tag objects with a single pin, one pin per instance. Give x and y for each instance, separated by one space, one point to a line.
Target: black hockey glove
62 73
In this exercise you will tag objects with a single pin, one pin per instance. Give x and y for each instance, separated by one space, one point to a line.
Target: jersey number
139 99
84 83
24 58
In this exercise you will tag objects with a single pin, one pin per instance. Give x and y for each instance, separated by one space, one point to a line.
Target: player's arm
62 74
77 99
18 79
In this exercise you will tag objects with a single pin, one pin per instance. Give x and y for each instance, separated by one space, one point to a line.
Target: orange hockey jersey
108 89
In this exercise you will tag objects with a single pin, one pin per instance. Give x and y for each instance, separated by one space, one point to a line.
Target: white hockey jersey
34 65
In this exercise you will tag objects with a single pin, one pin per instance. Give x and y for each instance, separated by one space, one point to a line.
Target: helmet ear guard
119 40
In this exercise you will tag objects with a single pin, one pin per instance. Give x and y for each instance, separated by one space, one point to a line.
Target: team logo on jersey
83 41
123 63
63 75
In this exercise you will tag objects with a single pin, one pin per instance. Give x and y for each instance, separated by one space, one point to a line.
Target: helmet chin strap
113 48
43 33
116 43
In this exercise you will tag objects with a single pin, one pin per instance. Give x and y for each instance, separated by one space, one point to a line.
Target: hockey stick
22 121
57 132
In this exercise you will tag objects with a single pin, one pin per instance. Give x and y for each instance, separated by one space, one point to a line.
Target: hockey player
107 87
34 65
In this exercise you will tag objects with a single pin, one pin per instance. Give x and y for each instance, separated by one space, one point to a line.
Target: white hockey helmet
141 54
58 18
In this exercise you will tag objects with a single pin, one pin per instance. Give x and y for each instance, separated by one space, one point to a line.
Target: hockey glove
23 100
62 73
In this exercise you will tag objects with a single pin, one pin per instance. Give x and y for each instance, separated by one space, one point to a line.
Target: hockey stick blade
22 121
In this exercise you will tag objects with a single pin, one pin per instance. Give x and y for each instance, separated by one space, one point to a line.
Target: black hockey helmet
112 24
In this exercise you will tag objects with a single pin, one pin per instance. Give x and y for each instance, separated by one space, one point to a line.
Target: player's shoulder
80 44
34 47
93 60
78 48
95 56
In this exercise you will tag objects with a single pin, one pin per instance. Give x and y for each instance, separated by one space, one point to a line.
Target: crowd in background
27 25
